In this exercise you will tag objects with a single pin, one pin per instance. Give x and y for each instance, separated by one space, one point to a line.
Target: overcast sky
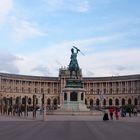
36 36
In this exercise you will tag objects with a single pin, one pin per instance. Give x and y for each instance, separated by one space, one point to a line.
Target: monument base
74 106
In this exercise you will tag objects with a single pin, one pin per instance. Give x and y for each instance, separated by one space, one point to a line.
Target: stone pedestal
73 96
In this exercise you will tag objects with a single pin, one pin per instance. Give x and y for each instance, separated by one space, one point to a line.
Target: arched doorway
91 103
135 101
29 101
110 102
117 102
37 101
10 101
104 102
129 101
48 102
55 103
123 101
97 102
23 101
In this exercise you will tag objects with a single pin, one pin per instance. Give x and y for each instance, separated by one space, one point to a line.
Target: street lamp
139 102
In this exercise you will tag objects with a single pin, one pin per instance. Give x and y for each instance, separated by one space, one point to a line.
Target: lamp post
139 102
44 107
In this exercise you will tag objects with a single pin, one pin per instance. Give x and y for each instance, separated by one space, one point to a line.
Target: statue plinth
73 83
73 96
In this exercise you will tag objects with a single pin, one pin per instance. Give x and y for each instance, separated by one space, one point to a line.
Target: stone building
99 91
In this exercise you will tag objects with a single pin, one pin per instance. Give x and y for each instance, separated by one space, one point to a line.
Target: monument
73 94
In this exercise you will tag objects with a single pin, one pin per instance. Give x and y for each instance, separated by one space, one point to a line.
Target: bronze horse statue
73 66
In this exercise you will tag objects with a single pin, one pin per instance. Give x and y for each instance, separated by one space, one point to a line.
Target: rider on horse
73 66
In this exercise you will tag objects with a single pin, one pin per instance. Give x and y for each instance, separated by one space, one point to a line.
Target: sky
36 36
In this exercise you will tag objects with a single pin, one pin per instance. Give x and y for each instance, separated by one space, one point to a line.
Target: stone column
13 104
68 96
45 111
7 105
34 106
1 104
79 96
19 106
26 111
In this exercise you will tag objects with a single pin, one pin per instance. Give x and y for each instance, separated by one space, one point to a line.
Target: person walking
105 116
117 114
135 111
111 110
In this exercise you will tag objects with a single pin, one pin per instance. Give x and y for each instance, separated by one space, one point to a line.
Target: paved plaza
69 128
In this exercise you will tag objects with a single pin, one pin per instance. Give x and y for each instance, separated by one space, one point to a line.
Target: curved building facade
99 91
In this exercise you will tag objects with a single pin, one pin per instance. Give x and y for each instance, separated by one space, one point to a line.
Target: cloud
104 62
23 29
83 7
17 22
69 5
42 70
95 63
54 4
8 63
121 68
89 73
6 7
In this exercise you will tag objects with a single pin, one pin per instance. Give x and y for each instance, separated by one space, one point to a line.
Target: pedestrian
129 111
105 116
135 111
111 110
117 114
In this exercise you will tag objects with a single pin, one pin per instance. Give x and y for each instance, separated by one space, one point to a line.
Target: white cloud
54 4
8 62
20 27
42 70
23 29
6 7
83 7
102 63
69 5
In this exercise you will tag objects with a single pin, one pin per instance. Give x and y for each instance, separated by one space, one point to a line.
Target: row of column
12 106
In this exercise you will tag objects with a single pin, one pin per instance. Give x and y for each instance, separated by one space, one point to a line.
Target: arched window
48 101
97 102
36 101
135 101
129 101
5 101
29 101
10 101
17 100
104 102
123 101
23 101
91 102
110 102
116 102
55 101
